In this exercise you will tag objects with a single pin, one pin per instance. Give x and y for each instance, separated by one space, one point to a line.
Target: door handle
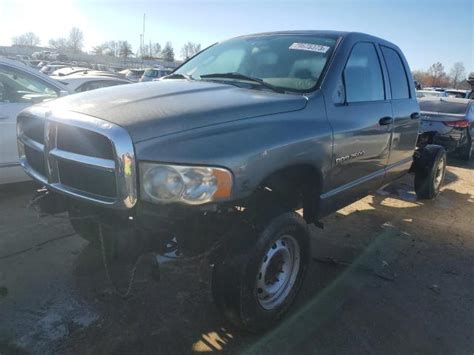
415 115
3 117
384 121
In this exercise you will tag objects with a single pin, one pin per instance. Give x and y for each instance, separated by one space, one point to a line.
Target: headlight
192 185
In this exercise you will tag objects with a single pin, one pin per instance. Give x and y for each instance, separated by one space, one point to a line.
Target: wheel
430 172
465 152
254 286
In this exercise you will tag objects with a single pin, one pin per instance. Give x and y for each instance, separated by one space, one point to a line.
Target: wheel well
296 187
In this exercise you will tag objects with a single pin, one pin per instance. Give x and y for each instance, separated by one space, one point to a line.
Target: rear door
405 114
362 129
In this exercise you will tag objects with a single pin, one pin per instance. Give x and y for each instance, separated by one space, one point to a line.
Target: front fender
252 149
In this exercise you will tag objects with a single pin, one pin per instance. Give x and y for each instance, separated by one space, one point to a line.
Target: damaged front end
145 228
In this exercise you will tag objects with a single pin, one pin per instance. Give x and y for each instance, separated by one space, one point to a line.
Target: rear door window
396 73
363 75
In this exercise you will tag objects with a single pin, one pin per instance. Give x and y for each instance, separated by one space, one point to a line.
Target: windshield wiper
178 76
239 76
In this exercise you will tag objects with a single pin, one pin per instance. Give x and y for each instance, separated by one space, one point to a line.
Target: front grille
95 181
33 128
78 155
81 141
36 160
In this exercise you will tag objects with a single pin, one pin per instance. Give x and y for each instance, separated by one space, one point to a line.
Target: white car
67 71
20 87
84 82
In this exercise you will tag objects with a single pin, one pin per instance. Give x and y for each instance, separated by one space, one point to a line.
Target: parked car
84 82
50 68
87 72
67 70
23 57
154 73
132 74
430 93
450 123
460 94
221 153
434 88
20 87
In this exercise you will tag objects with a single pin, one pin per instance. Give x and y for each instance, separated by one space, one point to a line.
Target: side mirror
63 93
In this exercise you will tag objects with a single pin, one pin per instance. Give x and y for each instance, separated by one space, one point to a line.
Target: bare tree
145 51
190 49
125 49
112 48
457 74
58 43
76 39
437 74
168 52
155 49
99 50
26 39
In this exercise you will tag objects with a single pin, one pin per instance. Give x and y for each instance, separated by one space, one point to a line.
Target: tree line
436 76
75 43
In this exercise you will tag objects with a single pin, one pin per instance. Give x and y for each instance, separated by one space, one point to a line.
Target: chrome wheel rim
439 174
278 271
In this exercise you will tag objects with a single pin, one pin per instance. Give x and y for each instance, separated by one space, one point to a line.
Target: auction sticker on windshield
310 47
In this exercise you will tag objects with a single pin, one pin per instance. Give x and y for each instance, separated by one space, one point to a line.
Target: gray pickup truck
220 154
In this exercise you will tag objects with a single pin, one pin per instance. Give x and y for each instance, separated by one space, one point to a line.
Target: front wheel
430 172
255 287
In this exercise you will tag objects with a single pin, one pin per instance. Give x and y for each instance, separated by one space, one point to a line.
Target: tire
430 172
465 152
255 285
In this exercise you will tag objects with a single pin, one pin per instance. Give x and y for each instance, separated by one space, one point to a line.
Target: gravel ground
390 275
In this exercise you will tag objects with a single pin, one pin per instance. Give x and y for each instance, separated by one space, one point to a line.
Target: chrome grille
78 155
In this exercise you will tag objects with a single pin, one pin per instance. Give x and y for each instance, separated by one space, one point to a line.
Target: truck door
362 127
405 114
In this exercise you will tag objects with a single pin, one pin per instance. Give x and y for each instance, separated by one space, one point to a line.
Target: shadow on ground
390 275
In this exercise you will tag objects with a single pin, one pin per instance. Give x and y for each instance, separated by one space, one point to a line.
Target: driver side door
12 100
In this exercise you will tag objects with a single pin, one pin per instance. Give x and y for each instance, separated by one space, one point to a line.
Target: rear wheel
255 286
430 172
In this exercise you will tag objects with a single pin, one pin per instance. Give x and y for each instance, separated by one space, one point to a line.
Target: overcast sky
426 30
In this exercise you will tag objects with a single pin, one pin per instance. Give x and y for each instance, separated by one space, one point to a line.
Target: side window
396 73
18 87
363 75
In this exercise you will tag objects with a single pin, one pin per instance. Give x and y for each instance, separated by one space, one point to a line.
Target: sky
426 30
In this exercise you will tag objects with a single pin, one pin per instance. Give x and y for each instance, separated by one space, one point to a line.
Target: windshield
288 62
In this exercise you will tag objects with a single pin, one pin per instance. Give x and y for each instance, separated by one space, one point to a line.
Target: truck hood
153 109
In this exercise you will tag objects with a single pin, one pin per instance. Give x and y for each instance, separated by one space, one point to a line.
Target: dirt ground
390 275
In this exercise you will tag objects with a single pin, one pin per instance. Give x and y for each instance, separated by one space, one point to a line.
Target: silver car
20 87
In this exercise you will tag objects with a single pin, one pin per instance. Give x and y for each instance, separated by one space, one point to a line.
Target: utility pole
143 35
141 44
